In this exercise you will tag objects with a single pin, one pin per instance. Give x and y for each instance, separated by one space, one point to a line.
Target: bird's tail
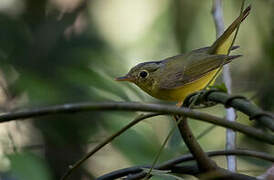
223 43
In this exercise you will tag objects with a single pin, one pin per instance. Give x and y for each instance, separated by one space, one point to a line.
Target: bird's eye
143 74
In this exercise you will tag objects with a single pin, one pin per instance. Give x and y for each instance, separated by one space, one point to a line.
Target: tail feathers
206 49
223 43
230 58
234 47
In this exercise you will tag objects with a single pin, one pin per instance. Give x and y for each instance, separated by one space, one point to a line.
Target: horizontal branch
168 165
134 106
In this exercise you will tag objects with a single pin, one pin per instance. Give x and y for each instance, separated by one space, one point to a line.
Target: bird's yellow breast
180 93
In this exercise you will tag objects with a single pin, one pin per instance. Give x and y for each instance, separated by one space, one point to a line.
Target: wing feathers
195 69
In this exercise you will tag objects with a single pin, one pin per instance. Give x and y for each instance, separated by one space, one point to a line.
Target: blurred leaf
26 166
136 143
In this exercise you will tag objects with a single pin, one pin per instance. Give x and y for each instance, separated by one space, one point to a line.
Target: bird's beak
124 78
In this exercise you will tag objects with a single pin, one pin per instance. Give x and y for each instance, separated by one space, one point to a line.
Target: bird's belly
180 93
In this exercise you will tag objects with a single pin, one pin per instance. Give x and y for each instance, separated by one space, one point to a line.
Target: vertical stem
230 112
217 13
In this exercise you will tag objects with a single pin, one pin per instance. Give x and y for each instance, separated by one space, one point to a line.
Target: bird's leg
179 104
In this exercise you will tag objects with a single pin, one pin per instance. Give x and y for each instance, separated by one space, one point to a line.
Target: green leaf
221 87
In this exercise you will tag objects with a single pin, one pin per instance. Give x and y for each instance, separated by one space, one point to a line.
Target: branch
243 105
134 106
194 171
204 163
217 14
239 152
185 158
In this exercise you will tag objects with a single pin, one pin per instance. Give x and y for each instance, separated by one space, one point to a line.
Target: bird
174 78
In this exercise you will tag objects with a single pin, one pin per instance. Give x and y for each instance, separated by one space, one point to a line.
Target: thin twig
105 142
167 138
171 132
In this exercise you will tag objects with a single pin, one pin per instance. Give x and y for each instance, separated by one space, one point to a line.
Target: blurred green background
64 51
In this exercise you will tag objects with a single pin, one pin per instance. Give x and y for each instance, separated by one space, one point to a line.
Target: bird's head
143 75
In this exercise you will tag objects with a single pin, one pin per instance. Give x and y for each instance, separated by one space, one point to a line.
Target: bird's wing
195 66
